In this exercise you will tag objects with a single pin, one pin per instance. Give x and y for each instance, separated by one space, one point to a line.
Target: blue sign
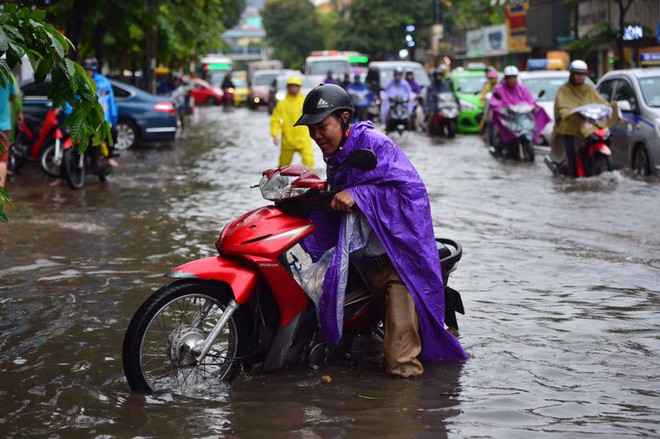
650 56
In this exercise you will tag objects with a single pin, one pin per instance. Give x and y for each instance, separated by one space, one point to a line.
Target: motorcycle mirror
541 93
362 159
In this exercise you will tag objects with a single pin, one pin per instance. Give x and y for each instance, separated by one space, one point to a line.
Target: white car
543 84
636 137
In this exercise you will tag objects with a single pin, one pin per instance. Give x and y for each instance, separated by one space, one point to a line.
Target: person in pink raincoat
510 92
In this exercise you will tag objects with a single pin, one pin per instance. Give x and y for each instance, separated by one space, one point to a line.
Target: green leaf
43 69
55 44
38 15
4 41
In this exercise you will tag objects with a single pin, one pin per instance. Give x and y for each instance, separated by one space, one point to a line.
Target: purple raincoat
394 201
511 96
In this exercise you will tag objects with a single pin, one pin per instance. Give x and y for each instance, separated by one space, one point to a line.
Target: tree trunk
74 25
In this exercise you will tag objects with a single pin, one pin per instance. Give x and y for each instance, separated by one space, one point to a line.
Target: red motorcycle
47 148
593 155
246 308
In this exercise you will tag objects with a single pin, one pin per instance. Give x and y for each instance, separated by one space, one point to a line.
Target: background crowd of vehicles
143 117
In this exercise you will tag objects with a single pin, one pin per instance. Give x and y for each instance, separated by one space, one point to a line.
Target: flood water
560 280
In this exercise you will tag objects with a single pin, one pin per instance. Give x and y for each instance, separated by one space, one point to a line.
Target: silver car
543 84
636 138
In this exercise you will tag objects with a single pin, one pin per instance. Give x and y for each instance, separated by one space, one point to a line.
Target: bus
214 67
340 63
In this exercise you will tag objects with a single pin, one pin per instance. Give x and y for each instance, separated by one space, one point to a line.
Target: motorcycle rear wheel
156 354
73 169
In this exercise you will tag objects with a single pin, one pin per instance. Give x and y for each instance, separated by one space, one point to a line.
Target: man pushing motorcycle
397 240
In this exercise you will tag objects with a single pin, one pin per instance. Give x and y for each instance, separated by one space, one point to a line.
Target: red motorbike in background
247 308
593 154
47 148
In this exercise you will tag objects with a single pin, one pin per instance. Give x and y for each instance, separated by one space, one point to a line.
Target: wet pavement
560 280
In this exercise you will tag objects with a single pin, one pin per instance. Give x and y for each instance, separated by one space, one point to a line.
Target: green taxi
467 84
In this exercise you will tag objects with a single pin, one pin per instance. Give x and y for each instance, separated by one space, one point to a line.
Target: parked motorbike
444 120
398 115
593 155
46 148
246 308
76 164
519 121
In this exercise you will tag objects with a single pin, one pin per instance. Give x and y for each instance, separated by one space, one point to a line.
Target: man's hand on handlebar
342 201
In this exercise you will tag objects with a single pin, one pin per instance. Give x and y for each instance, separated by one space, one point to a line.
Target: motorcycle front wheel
602 163
157 353
73 168
528 150
49 161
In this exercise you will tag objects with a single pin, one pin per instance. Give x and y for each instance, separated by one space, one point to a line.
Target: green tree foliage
116 31
293 30
24 33
377 27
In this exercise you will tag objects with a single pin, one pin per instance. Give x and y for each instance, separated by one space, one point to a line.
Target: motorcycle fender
241 279
604 149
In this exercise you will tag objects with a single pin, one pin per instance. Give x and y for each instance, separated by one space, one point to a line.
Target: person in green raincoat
574 93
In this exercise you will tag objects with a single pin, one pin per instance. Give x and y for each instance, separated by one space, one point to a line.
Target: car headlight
467 106
657 127
278 187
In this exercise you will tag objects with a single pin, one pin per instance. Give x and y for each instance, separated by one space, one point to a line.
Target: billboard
516 23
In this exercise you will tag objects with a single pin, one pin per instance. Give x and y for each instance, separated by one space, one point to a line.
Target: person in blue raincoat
398 245
106 98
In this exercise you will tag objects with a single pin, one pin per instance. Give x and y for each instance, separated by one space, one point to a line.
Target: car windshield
321 67
548 85
264 78
651 90
470 84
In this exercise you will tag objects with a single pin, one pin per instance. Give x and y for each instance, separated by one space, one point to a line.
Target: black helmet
322 101
90 63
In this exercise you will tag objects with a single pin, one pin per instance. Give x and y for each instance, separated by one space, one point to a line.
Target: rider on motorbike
511 92
397 86
362 97
396 240
491 81
437 86
574 93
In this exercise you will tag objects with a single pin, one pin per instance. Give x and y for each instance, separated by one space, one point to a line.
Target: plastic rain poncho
394 201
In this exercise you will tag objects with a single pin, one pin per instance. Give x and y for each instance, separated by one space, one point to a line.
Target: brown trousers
402 344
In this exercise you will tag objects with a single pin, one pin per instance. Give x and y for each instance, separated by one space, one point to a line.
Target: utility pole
437 30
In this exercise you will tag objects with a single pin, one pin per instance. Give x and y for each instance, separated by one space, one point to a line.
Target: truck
253 66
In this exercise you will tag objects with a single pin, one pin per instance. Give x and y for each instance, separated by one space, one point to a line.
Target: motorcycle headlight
467 106
278 187
280 95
